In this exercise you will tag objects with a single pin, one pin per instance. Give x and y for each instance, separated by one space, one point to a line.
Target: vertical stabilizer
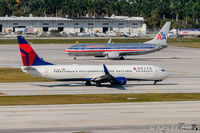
161 37
29 57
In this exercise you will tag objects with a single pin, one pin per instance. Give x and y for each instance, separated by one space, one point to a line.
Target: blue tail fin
29 57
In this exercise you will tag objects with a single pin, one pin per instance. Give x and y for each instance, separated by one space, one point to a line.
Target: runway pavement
182 63
159 117
171 85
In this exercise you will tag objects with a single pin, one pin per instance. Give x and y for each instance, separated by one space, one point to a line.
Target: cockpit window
162 70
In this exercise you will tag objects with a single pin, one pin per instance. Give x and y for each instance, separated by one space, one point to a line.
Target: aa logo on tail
161 36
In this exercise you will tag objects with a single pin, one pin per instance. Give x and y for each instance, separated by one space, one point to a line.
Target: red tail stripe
24 59
31 53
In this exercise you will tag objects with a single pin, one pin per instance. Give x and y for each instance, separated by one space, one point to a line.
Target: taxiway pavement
171 85
144 117
182 63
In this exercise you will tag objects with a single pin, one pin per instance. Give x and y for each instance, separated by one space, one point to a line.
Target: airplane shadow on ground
62 85
134 59
158 84
147 59
118 87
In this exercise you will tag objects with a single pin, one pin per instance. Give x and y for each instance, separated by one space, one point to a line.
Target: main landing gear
98 84
88 83
156 81
121 58
72 56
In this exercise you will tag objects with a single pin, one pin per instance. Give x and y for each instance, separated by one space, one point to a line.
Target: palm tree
4 9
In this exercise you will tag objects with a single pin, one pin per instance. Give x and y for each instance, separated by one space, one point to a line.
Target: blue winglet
105 69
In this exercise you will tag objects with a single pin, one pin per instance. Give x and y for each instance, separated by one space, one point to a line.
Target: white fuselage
85 72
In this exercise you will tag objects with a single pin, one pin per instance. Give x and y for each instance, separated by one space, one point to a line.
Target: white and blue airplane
113 74
119 50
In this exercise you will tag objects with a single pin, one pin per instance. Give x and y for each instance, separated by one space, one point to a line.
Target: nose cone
66 51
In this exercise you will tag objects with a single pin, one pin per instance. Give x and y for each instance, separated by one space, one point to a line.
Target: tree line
182 13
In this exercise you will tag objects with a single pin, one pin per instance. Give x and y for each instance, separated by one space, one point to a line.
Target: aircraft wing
131 53
109 78
114 55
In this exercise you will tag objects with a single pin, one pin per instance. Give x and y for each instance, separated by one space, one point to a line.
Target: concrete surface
159 117
182 63
101 118
171 85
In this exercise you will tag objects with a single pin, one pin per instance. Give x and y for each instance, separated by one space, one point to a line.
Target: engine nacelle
120 81
113 55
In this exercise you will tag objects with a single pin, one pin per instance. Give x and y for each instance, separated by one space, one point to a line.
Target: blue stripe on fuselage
117 48
113 46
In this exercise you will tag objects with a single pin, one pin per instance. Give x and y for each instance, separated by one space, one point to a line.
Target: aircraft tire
98 84
88 83
121 58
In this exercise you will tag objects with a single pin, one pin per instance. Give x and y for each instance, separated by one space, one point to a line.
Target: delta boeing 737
113 74
119 50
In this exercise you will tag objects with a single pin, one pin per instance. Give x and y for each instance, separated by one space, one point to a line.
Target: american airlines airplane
119 50
114 74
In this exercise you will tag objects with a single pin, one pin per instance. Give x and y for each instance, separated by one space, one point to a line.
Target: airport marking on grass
155 91
45 92
3 93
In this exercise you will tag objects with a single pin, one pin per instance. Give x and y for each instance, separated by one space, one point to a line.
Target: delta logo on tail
29 57
161 36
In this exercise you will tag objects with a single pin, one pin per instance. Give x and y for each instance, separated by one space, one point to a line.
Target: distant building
132 26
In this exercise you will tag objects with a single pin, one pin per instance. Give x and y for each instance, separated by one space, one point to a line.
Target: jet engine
119 81
113 55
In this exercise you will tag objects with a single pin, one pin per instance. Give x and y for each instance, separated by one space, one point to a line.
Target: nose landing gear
121 58
156 81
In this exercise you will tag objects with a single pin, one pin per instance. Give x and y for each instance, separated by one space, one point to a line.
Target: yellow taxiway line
45 92
155 91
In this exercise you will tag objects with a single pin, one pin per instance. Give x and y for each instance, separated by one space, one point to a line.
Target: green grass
96 40
179 42
16 75
96 98
185 42
71 41
189 45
